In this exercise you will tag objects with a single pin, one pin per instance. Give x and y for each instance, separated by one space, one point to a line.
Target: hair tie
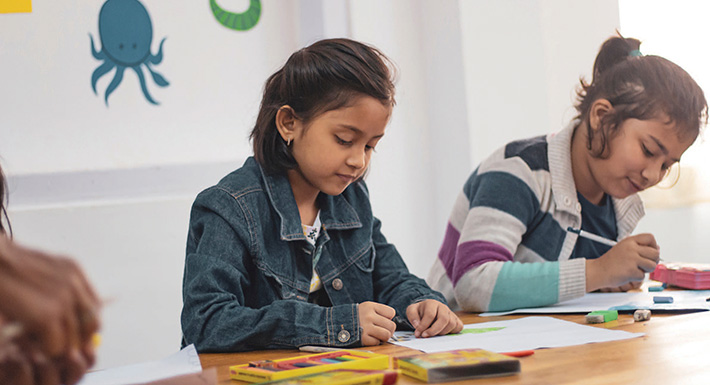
635 53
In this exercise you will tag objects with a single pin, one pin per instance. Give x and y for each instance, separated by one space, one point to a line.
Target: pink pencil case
686 275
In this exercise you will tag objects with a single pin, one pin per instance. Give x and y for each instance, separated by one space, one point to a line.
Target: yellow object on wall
15 6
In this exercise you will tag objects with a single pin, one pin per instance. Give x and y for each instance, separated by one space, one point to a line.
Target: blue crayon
303 364
330 360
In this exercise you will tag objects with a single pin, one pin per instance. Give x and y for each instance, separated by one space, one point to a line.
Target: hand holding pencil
623 264
376 322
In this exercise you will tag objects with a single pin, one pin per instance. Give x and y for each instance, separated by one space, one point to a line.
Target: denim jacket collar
335 211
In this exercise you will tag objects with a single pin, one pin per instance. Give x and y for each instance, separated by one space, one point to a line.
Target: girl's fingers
428 316
45 371
385 323
381 334
74 366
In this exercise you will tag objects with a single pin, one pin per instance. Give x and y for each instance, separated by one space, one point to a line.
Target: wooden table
675 350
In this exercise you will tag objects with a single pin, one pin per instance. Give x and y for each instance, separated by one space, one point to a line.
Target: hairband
635 53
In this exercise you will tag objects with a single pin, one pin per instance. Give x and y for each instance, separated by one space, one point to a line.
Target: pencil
593 237
317 349
323 349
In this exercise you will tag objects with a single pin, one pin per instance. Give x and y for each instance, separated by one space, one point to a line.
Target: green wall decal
238 21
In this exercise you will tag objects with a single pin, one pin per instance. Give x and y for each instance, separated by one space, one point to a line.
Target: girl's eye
369 148
342 142
646 151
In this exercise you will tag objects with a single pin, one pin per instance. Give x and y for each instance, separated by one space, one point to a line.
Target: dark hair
639 87
5 228
322 77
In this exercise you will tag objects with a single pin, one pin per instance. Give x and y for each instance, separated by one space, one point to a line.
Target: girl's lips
346 178
635 186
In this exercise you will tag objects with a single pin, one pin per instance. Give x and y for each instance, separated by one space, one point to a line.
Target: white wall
524 60
112 186
423 159
681 232
215 76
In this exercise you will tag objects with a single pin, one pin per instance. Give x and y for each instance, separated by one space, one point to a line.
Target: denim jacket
248 267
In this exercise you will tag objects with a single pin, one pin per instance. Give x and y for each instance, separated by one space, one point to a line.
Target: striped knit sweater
506 244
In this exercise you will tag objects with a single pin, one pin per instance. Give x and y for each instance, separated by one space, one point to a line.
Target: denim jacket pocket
366 261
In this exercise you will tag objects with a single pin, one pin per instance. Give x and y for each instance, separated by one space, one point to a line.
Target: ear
599 108
287 123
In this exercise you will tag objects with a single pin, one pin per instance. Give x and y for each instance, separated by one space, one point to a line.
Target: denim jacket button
343 336
337 284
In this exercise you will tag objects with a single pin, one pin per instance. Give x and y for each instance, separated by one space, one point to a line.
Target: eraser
642 315
601 316
656 288
662 299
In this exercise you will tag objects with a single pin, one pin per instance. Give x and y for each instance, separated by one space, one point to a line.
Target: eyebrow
663 148
358 131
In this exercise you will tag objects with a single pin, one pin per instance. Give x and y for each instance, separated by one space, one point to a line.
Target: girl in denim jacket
285 251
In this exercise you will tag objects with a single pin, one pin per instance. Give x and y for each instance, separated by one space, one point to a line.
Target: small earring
288 142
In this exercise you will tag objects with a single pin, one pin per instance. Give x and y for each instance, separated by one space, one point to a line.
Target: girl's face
334 149
639 156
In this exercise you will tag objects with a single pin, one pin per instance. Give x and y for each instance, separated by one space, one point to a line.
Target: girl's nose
357 159
654 172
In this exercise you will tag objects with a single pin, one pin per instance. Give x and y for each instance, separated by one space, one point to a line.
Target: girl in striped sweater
507 244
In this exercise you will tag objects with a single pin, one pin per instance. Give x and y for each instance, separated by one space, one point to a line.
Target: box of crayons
342 377
269 370
456 365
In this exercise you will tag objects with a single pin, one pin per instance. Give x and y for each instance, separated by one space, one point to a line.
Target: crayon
662 299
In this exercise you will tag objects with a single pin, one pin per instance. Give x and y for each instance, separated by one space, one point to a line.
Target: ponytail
614 51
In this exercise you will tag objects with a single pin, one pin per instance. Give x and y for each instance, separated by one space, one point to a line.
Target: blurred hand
432 318
20 366
626 262
376 322
15 367
58 311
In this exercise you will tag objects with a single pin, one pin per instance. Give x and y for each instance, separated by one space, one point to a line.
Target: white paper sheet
682 300
515 335
186 361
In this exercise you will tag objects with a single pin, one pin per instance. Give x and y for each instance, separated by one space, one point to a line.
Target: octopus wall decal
237 21
126 34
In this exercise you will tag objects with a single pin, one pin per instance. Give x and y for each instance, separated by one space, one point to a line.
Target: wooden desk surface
675 350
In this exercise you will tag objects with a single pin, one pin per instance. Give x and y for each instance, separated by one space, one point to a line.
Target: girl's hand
15 367
18 366
432 318
376 322
626 262
51 299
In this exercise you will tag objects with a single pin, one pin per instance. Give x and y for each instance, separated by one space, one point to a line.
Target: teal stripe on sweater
503 191
525 285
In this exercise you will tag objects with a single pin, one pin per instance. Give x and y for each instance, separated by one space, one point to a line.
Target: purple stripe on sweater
458 260
447 253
